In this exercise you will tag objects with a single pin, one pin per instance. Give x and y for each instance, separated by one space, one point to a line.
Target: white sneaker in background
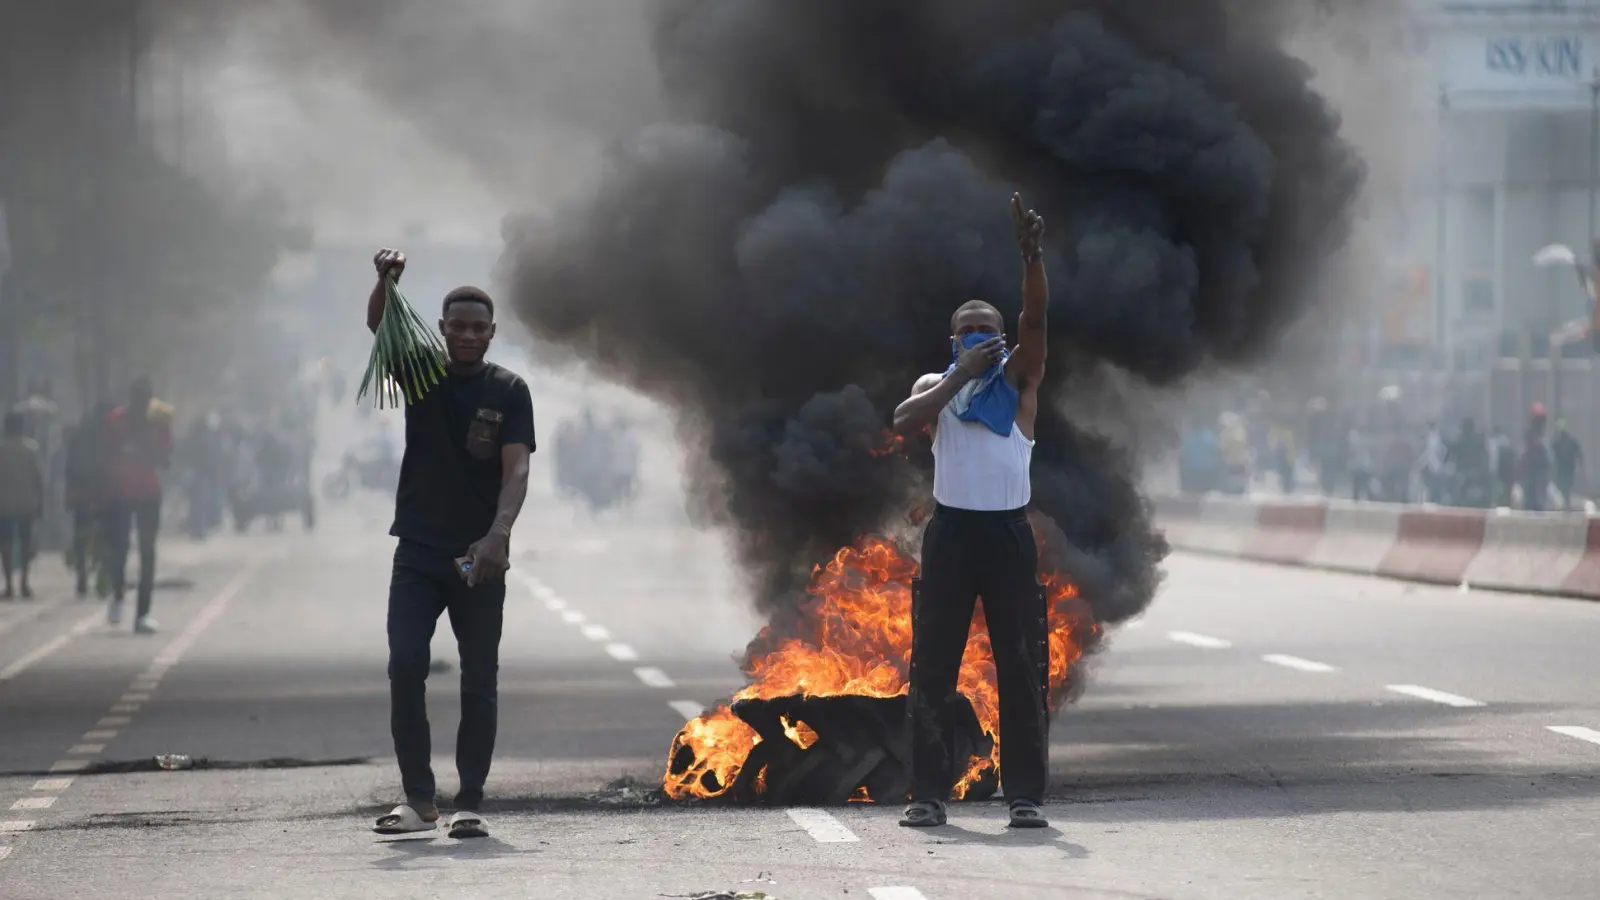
146 625
114 611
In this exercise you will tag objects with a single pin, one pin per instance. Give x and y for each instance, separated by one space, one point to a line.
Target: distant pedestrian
463 478
1568 456
138 450
21 500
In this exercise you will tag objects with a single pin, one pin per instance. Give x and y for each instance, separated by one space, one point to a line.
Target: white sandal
467 825
404 820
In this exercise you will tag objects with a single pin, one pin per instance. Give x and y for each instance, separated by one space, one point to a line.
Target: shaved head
974 311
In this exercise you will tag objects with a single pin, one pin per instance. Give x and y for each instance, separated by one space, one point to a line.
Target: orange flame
854 638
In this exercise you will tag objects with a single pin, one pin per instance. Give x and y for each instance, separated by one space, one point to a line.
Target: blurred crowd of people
110 480
1379 454
597 464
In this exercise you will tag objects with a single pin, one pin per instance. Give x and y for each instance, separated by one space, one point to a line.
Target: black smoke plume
780 260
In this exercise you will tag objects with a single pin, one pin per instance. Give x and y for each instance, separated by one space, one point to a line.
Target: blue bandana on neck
989 398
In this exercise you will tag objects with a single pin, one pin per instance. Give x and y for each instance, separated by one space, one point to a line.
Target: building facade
1514 88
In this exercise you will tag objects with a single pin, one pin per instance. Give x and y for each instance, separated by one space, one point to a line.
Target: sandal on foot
924 814
466 824
1026 814
405 820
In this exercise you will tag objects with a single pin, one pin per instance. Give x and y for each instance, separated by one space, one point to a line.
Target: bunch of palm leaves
408 357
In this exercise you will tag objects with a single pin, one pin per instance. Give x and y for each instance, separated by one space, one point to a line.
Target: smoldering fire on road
778 264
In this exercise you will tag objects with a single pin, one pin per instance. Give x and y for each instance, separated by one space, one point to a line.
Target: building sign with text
1552 67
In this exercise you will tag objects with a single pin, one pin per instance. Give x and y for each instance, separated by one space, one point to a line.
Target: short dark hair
467 294
976 304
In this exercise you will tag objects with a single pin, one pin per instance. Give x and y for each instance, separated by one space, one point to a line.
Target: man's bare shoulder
926 383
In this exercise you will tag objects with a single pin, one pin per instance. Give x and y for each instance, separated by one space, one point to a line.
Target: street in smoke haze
1261 733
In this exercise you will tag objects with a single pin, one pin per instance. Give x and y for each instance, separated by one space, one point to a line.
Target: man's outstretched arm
1026 365
390 264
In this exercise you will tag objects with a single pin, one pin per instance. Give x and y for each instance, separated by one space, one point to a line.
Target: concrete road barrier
1502 549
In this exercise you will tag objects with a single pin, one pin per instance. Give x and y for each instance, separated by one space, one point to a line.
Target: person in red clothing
138 447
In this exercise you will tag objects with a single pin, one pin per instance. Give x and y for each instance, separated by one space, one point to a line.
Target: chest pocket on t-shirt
483 435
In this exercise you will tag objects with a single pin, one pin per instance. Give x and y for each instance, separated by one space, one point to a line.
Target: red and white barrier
1504 549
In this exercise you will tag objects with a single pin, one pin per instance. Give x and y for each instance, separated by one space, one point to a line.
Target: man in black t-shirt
463 478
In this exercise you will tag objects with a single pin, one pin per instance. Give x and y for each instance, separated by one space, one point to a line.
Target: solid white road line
825 829
896 893
653 677
596 633
1423 693
572 617
34 803
1198 640
1295 662
622 652
688 709
1577 731
52 784
43 651
202 620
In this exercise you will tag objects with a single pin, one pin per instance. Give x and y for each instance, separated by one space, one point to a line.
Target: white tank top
974 468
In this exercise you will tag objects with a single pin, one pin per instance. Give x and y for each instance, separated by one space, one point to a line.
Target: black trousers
16 546
121 519
424 584
966 555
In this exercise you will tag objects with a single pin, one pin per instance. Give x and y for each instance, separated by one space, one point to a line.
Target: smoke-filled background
759 214
778 259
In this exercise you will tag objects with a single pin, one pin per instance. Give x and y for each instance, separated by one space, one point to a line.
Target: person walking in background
1469 454
85 491
1534 465
21 500
1432 465
1235 441
1284 454
138 450
1362 472
1568 456
1503 458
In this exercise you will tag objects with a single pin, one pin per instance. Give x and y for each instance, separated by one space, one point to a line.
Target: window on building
1477 227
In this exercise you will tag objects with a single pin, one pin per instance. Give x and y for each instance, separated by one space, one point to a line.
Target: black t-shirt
450 475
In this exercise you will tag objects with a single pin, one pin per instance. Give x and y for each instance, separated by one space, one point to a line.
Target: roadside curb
1556 554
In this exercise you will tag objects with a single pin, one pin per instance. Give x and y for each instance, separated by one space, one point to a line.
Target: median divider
1502 549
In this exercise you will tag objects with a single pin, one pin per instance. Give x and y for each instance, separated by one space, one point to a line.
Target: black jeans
424 584
16 546
966 555
121 519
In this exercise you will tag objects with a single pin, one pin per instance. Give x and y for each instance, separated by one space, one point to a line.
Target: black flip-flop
924 814
1026 814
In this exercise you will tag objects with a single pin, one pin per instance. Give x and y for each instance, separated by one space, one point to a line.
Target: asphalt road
1262 733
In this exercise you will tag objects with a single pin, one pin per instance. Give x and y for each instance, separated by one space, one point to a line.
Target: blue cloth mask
989 399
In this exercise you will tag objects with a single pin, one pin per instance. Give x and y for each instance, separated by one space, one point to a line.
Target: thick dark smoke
780 263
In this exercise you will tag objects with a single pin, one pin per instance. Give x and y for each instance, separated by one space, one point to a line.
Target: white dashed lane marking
555 604
896 893
1424 693
687 708
1577 731
86 749
1198 640
49 647
102 734
622 652
822 827
653 677
52 784
1295 662
34 803
5 852
69 765
113 722
14 826
572 617
596 633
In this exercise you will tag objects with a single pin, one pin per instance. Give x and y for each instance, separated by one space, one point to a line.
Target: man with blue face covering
978 543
